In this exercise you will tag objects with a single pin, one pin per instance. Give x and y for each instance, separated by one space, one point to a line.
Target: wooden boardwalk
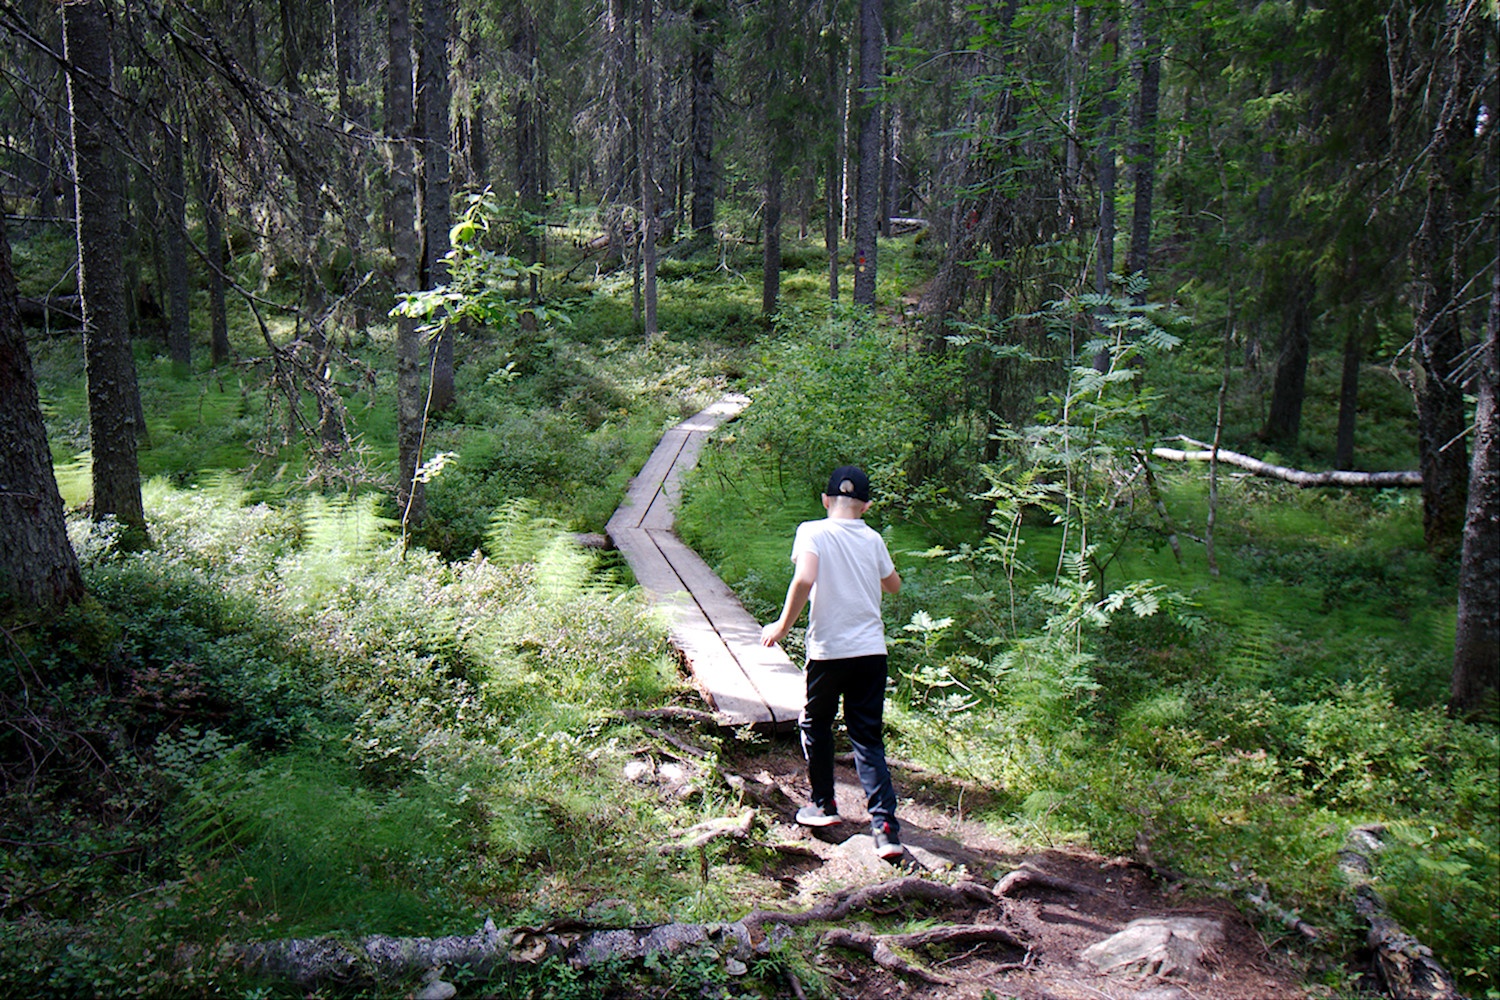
744 682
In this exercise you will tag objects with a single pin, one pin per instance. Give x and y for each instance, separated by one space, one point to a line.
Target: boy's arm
803 579
891 584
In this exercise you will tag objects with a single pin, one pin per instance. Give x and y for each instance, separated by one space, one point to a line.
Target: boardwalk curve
744 682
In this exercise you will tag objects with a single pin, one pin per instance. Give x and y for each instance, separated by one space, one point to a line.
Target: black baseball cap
849 481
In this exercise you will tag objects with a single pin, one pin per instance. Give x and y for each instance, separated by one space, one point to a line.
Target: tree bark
436 199
1358 334
649 188
1145 68
215 250
866 115
1476 655
1284 420
770 285
1379 480
38 569
1435 259
705 41
178 342
833 170
109 365
410 491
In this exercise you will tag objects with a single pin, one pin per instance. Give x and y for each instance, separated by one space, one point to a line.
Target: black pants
860 681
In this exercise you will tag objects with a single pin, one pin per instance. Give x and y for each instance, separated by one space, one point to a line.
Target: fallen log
1407 967
380 958
1378 480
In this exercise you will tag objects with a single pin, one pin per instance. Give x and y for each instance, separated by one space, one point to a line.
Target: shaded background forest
458 253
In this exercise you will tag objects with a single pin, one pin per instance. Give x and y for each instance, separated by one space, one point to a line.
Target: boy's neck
840 514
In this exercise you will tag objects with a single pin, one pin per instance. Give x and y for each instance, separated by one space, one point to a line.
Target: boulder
1170 947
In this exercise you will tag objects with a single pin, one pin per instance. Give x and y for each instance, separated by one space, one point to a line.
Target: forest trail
745 683
1055 902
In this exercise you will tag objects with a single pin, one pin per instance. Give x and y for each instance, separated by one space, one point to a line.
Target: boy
844 566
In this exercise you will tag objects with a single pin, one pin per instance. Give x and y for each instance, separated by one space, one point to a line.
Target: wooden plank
720 677
781 684
646 485
744 681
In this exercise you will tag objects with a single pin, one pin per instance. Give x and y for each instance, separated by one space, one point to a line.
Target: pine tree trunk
1284 419
770 286
704 43
109 366
1360 330
1435 261
175 232
215 250
1476 655
353 110
866 117
37 566
1146 71
411 500
649 190
436 199
833 171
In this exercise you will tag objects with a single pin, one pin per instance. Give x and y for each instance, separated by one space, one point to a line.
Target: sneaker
888 843
817 814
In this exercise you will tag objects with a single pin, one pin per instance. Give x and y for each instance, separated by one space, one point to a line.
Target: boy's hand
773 633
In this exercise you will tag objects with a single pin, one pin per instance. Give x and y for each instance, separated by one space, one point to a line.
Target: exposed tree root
873 897
726 826
886 949
1026 876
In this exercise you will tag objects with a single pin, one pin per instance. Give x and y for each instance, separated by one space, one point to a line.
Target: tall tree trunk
1104 165
1145 69
1077 69
866 117
833 170
1436 263
175 232
649 190
1361 331
1476 654
109 365
352 108
411 499
770 286
705 41
215 250
1284 419
479 150
436 203
38 568
528 141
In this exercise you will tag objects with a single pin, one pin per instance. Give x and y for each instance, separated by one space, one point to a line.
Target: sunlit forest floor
281 722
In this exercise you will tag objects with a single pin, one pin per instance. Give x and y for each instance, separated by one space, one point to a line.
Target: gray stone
436 990
1170 947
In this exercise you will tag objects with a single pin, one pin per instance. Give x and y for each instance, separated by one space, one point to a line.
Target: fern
344 525
518 533
1253 652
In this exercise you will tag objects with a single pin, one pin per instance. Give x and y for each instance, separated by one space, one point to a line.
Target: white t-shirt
844 617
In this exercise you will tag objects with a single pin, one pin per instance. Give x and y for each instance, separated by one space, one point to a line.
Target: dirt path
1091 899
